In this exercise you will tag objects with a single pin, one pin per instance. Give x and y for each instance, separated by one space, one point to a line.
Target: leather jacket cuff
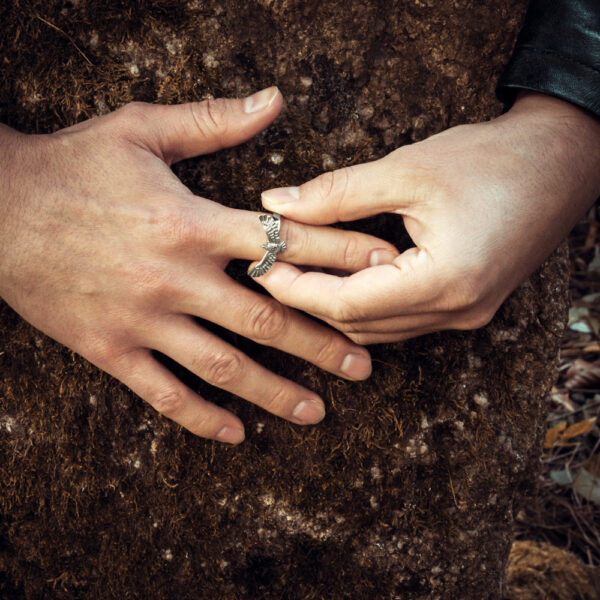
557 53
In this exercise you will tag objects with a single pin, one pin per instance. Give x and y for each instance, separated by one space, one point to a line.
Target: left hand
485 204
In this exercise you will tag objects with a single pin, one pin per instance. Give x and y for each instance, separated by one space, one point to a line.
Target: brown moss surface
408 487
540 571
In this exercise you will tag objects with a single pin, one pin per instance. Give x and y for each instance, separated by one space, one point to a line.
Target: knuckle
278 400
297 238
132 114
177 230
476 319
335 183
152 282
346 312
268 320
362 339
222 369
352 251
463 289
168 402
101 350
210 116
329 351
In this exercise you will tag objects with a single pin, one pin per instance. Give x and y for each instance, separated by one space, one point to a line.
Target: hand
105 250
484 205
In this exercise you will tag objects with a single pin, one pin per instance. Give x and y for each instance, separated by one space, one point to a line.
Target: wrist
570 134
10 157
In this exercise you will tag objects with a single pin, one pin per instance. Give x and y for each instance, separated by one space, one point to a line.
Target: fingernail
232 435
309 411
281 195
381 257
261 100
356 366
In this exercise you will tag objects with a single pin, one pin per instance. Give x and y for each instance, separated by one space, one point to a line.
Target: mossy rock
407 488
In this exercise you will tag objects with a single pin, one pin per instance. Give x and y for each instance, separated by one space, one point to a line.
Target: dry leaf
553 434
578 429
560 434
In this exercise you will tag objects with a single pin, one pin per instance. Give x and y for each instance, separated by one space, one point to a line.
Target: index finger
405 287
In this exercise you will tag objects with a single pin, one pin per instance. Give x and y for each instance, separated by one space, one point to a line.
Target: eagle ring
273 247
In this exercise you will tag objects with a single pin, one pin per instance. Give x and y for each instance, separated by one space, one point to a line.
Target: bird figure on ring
273 247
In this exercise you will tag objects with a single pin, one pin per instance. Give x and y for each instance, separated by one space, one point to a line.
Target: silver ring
273 247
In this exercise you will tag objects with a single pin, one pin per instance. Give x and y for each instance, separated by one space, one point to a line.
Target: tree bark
407 488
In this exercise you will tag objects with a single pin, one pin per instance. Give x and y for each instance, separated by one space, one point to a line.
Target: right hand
103 249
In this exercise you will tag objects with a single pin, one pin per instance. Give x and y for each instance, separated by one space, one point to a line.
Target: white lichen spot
224 564
153 446
222 501
94 40
173 45
167 554
134 69
7 422
259 427
306 81
328 162
137 464
373 502
92 400
423 448
210 62
376 473
436 570
424 422
481 400
155 524
267 499
276 158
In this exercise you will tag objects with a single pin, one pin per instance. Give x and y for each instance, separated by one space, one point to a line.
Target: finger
369 339
225 367
347 194
268 322
181 131
163 391
408 286
435 321
305 244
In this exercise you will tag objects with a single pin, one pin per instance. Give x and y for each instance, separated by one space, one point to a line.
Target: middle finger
264 320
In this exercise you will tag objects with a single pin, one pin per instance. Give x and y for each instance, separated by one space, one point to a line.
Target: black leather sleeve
557 53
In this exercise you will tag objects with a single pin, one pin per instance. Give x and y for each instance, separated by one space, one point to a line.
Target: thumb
175 132
347 194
